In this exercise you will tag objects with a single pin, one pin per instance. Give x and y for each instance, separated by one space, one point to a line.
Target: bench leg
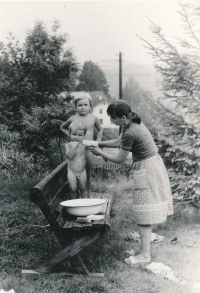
77 263
70 251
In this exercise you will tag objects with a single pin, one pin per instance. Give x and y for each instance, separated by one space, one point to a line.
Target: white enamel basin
84 206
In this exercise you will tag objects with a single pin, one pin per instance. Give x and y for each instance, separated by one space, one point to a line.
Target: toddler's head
77 131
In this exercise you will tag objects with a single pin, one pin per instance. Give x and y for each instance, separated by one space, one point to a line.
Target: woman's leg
145 237
144 256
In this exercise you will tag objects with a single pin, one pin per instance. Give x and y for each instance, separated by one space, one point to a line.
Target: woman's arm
115 143
118 159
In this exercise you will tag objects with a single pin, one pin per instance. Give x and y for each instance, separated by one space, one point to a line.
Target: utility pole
120 75
120 81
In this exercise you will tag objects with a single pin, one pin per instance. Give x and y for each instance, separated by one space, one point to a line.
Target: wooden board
33 272
69 251
68 224
77 263
60 196
61 219
47 184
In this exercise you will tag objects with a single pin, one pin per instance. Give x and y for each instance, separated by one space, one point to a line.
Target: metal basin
84 206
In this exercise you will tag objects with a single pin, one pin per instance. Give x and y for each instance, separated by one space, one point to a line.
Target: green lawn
24 244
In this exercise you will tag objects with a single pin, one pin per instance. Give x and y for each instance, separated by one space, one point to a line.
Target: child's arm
65 125
99 129
70 149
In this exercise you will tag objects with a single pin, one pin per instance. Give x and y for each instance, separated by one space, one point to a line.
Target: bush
13 161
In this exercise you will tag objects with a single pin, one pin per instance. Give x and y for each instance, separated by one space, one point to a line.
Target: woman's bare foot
138 259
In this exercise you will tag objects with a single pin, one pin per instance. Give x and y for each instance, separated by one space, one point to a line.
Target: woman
152 199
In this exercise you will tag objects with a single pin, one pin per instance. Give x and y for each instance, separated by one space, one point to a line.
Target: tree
180 141
33 74
134 94
41 135
131 92
141 101
92 78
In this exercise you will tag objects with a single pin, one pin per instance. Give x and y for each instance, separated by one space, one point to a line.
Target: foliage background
33 76
179 139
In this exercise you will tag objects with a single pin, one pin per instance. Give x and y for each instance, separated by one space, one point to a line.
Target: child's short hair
76 125
82 96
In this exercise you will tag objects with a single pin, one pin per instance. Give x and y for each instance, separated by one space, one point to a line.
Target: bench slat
60 196
80 226
98 224
49 182
77 226
68 224
61 219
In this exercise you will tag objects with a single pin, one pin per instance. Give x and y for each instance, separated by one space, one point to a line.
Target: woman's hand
96 151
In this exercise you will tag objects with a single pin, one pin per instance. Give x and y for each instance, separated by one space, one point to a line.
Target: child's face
77 135
83 106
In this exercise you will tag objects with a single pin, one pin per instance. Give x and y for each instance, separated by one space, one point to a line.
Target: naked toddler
76 155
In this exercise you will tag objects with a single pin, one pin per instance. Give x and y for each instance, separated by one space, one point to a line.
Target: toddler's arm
99 129
70 149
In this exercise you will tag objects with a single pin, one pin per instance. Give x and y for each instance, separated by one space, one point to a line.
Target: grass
23 245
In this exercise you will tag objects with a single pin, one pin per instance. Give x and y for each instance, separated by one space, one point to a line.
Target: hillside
146 75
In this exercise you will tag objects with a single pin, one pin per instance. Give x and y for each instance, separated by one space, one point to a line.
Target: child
83 105
76 155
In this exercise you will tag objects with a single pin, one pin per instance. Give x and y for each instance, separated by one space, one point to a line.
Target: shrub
13 161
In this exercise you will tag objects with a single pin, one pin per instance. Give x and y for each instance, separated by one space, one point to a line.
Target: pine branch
185 16
184 43
157 30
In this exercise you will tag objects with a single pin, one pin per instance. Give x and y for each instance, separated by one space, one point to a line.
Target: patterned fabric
152 198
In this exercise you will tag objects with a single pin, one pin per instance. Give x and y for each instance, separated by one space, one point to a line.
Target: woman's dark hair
121 108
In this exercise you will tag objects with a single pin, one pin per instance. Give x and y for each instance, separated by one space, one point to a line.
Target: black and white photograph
100 146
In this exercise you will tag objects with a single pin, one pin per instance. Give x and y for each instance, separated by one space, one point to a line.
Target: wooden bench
72 236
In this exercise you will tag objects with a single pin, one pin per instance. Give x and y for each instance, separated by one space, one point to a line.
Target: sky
97 30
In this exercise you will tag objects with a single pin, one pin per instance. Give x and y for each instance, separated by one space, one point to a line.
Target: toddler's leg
72 184
83 184
89 165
